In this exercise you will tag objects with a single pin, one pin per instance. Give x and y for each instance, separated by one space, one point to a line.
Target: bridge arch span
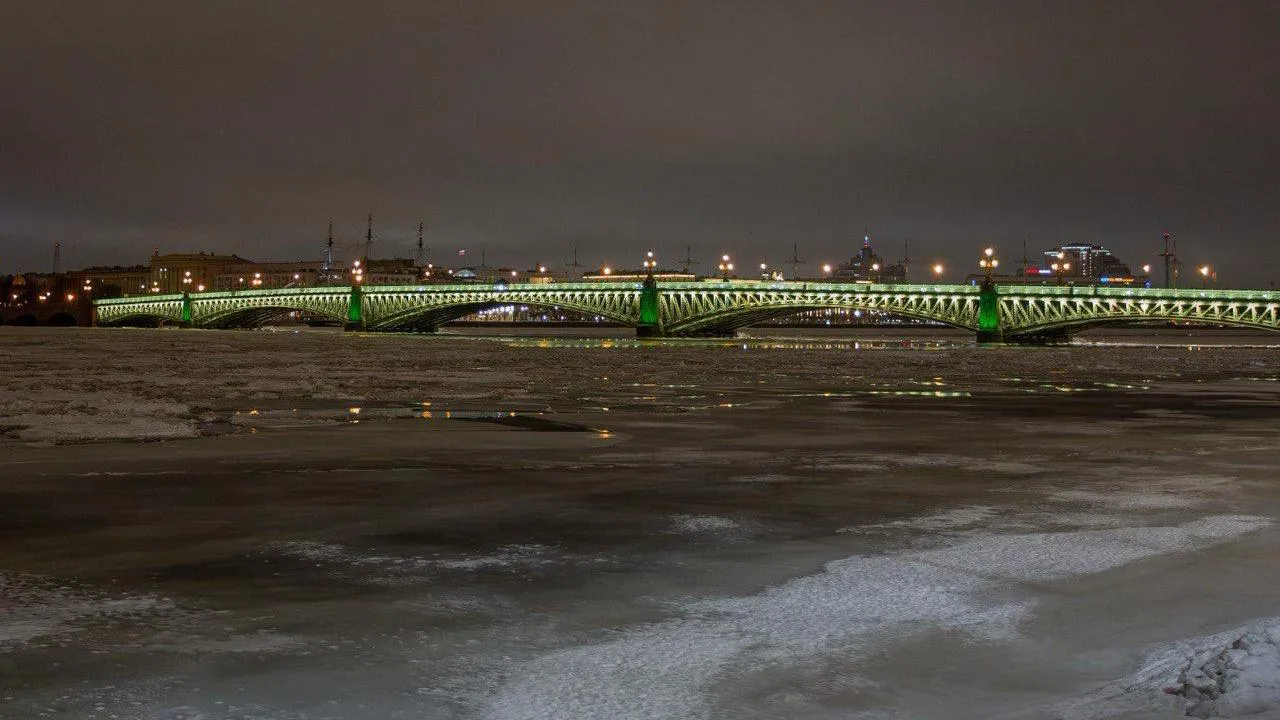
697 312
410 309
1033 315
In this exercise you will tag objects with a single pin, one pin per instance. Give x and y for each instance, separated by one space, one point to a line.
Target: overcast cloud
745 127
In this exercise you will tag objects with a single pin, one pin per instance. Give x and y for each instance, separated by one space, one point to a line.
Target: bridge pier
185 322
355 312
650 325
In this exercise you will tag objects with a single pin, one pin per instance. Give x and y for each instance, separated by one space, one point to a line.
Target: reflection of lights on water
353 410
253 411
604 434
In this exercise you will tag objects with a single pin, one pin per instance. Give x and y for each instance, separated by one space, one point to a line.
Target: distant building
1080 264
114 281
868 267
188 272
1088 261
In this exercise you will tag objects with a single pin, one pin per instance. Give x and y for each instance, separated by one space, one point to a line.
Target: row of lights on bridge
987 262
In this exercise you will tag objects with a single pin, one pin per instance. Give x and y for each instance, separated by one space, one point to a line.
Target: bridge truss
1009 313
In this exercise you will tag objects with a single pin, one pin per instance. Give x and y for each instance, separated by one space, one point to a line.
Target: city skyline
735 128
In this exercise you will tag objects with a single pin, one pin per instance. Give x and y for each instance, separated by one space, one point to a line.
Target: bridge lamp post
1060 267
357 272
1204 275
988 262
650 263
875 272
937 272
726 267
826 269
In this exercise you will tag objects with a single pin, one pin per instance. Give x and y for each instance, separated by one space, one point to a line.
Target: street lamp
937 272
1060 267
1204 274
650 263
989 262
875 272
826 269
726 267
1146 268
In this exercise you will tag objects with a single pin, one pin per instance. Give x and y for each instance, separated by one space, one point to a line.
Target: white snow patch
33 609
952 519
340 561
701 524
1054 556
666 669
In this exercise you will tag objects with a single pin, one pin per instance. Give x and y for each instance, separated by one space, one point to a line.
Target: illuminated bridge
995 313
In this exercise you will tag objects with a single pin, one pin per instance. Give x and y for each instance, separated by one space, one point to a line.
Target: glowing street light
726 267
1060 267
989 262
1204 274
1146 268
650 263
937 271
606 270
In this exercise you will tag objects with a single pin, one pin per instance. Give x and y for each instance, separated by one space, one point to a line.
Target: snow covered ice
312 524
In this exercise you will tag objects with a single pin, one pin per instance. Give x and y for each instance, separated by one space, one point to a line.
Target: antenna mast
795 261
417 260
368 239
328 256
57 257
688 258
1170 255
573 266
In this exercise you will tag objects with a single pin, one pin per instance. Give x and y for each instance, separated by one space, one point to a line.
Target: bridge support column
989 329
186 311
650 324
355 310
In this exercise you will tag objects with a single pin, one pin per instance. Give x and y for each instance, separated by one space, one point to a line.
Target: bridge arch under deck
1061 316
425 311
707 316
254 308
121 313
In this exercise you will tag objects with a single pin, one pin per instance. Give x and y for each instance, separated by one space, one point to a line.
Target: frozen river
312 525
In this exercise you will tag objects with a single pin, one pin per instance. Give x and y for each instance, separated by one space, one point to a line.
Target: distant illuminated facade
1089 261
866 266
1079 264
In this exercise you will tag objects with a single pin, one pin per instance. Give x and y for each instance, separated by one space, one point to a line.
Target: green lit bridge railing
1010 313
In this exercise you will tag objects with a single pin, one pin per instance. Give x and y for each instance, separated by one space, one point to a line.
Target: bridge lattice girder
252 308
413 308
1033 310
111 312
715 307
693 308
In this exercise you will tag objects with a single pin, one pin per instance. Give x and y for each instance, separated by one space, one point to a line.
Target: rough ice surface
866 527
1235 673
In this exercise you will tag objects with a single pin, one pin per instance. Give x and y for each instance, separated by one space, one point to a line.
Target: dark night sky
523 127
